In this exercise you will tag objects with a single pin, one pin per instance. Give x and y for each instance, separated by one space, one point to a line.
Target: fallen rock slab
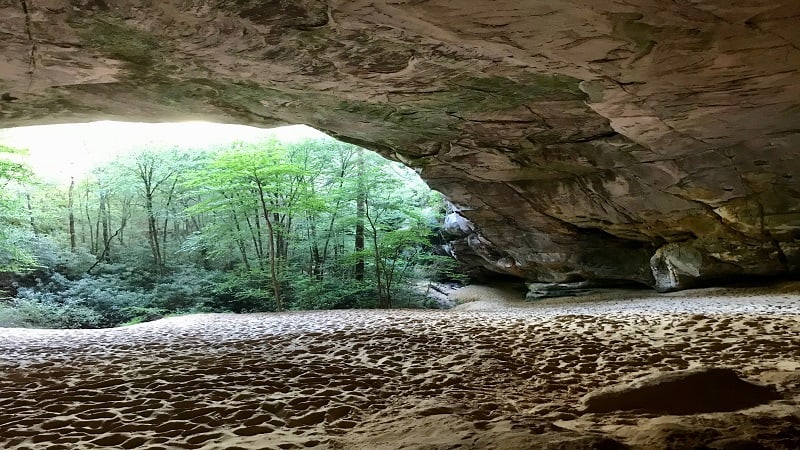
681 392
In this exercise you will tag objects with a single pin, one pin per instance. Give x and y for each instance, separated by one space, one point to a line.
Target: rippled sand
493 373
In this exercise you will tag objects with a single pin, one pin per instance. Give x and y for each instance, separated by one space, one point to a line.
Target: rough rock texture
690 391
583 140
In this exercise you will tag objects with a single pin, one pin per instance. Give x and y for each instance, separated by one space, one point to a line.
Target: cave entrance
110 223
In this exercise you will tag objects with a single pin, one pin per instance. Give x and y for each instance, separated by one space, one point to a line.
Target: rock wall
657 143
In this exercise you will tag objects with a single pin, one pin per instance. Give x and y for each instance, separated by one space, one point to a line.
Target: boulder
537 291
689 391
676 266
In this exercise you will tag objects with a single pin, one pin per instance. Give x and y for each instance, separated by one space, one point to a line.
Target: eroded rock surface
577 139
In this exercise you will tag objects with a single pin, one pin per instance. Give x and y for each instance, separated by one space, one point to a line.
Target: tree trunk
146 169
317 270
258 240
240 241
104 255
384 300
104 219
344 165
123 220
166 219
276 285
92 246
360 207
152 233
70 203
30 214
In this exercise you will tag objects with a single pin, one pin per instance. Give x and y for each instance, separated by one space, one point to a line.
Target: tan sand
495 372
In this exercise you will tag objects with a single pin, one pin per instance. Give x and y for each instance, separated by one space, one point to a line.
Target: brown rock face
656 142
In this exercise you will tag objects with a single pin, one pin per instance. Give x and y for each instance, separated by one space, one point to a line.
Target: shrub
242 292
46 311
187 289
331 293
108 298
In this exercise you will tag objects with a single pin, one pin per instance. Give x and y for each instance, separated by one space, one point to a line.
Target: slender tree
103 216
361 213
70 208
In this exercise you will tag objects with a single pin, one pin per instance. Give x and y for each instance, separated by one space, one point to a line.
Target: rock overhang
652 143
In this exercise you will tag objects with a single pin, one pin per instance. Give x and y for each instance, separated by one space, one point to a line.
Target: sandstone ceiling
648 141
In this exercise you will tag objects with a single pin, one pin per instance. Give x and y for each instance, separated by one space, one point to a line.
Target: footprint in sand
331 379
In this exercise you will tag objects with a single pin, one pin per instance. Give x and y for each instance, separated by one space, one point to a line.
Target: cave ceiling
649 141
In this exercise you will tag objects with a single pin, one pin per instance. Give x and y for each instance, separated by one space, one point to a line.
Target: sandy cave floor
493 373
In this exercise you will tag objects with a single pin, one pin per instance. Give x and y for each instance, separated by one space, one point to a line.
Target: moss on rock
121 42
480 94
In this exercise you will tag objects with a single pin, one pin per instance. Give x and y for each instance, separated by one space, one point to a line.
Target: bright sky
58 152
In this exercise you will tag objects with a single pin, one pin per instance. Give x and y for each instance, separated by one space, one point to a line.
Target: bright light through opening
58 152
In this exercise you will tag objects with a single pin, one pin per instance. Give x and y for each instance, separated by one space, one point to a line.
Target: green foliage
114 296
45 311
184 290
441 268
15 252
109 295
331 293
143 314
242 292
10 170
240 228
15 235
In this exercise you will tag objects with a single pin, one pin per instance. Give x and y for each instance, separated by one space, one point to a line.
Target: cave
577 143
655 144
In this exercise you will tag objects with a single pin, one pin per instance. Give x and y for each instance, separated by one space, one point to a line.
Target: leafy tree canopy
242 227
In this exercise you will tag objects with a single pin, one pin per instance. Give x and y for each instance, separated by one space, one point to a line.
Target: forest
243 227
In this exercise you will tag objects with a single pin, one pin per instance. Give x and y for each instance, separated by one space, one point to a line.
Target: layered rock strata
655 142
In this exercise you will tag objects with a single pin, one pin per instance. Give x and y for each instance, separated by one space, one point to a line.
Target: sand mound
507 378
489 298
